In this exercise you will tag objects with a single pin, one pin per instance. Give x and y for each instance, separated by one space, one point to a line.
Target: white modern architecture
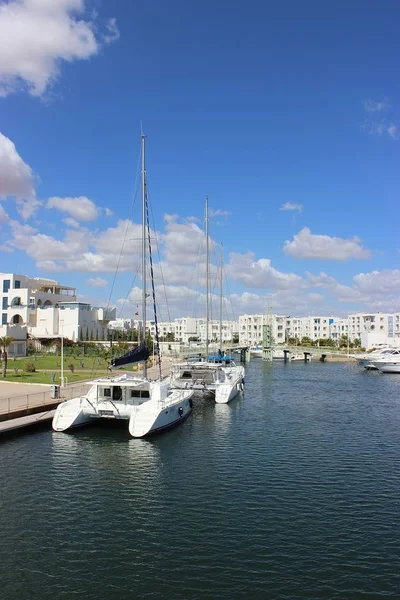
44 308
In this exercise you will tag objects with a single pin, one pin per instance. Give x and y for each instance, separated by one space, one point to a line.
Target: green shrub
30 367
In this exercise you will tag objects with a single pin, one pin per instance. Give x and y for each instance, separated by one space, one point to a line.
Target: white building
382 323
283 328
164 328
338 328
122 324
251 328
45 308
185 329
73 320
228 330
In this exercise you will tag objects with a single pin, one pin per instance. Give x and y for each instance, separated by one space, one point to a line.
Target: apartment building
251 328
73 320
44 308
382 323
228 331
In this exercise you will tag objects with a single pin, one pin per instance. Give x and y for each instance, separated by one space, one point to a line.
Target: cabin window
140 394
107 392
186 375
117 393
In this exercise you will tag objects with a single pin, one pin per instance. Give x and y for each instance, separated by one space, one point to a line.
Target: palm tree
5 342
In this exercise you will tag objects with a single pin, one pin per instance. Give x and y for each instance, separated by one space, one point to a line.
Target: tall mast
144 249
221 258
207 277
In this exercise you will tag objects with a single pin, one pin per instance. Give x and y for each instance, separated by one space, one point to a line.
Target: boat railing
85 398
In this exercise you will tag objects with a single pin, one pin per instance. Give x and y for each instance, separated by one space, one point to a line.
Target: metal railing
15 404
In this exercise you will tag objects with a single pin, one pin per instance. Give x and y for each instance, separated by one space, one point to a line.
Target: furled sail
133 356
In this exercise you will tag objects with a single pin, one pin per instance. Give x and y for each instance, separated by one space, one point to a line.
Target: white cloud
386 282
307 245
70 222
259 273
36 35
80 209
392 131
184 243
292 206
374 291
3 215
109 213
219 213
382 126
373 106
16 177
97 282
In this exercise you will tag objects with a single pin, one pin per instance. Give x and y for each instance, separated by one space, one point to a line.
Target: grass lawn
85 368
42 377
52 362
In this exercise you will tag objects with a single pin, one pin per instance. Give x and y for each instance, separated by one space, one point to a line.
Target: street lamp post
62 353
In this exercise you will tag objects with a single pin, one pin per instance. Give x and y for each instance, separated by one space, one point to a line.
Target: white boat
223 379
367 361
148 406
298 357
217 375
388 365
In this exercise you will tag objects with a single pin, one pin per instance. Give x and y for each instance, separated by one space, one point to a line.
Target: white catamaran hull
145 421
151 416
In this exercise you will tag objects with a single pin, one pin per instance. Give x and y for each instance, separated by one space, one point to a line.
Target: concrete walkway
10 389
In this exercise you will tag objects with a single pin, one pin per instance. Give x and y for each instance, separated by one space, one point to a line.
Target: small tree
5 342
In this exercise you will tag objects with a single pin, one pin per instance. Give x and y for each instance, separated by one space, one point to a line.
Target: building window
4 319
5 303
6 285
17 284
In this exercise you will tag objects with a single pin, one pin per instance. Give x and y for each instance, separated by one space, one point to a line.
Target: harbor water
292 491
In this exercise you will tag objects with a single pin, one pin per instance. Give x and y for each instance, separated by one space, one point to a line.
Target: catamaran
218 374
148 406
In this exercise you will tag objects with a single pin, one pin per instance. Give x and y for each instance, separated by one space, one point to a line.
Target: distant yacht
389 364
367 361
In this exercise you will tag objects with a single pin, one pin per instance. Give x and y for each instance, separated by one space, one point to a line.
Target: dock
26 421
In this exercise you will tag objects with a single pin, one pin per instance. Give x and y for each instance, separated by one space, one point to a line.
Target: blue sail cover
133 356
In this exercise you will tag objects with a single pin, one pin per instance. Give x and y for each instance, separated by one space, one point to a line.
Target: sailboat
148 406
217 374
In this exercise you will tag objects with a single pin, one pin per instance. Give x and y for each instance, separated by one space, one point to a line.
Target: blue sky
286 116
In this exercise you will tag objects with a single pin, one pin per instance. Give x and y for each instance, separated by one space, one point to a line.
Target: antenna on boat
144 248
207 277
